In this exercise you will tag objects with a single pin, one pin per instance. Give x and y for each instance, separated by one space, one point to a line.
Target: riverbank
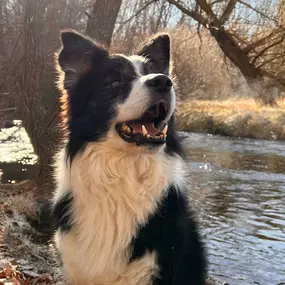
234 118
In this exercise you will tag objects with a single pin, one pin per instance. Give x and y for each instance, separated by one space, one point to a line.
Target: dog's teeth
144 130
148 136
128 130
164 131
124 127
161 136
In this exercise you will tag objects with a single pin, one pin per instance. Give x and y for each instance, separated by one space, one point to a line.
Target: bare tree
246 55
102 20
139 18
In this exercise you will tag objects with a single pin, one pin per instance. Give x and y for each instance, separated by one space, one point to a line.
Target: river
236 186
238 189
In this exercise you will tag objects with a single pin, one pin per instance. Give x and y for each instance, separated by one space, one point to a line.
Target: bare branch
208 10
193 14
216 2
261 13
269 60
267 48
227 12
136 14
259 42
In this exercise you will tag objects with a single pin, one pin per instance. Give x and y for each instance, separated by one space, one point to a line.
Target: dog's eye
112 83
116 83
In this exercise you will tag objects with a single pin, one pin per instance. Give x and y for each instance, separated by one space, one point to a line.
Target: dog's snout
159 83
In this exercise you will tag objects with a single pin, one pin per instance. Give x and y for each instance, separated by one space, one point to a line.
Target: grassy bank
235 118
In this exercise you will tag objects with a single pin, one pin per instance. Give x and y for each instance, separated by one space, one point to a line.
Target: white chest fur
114 193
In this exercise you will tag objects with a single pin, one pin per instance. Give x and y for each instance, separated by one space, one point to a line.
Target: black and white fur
120 209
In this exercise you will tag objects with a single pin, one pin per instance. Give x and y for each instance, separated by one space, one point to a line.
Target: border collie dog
120 207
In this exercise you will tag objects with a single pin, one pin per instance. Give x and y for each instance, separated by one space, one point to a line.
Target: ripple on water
238 188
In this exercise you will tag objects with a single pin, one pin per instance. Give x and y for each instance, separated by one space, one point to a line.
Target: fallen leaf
2 274
7 271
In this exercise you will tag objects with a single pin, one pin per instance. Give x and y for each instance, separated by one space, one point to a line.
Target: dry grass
237 118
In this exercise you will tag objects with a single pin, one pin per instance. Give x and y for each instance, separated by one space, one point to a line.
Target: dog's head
129 99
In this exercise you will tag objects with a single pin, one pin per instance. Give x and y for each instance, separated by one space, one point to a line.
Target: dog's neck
129 174
109 163
112 167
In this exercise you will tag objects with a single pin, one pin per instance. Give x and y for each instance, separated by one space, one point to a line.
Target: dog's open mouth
150 128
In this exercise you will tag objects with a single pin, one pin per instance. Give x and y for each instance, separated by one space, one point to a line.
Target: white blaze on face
139 99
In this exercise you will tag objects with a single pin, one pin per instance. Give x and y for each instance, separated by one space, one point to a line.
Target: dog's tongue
137 127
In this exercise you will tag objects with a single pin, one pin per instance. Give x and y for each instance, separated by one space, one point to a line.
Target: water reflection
238 188
17 159
14 172
15 145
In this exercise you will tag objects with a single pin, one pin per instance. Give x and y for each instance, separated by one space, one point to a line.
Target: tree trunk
102 21
39 120
40 117
231 49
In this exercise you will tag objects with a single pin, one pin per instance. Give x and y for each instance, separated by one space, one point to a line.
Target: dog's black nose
159 83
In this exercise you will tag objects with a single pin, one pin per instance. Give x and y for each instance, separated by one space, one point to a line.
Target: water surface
238 189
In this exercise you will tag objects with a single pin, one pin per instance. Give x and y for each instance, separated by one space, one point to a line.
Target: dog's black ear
76 56
157 50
